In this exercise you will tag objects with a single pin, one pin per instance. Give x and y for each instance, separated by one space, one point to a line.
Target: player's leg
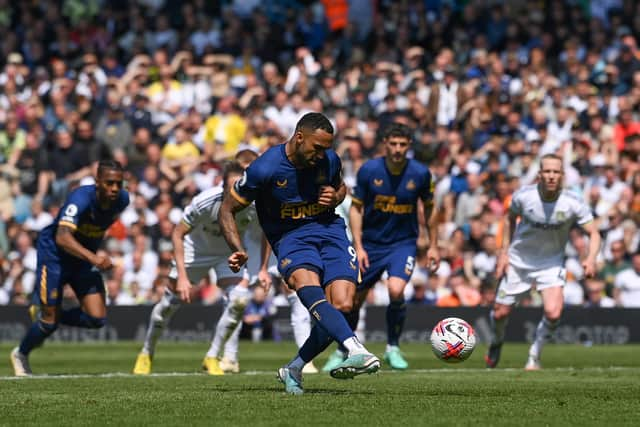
48 296
399 263
511 287
353 317
300 325
341 273
396 315
237 298
553 301
161 314
92 312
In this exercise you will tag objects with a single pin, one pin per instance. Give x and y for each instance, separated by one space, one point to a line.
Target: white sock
300 320
160 316
543 333
231 346
354 346
238 297
498 328
296 363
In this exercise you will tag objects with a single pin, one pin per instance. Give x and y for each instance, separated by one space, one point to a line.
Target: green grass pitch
90 384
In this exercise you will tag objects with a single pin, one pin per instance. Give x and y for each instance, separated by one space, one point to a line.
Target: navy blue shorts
398 260
323 248
51 276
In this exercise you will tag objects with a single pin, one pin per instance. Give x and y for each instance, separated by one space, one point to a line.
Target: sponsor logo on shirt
388 204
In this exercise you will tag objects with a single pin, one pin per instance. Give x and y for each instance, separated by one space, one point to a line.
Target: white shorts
196 273
518 282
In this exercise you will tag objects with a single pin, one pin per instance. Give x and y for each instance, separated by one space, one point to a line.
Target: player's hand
501 265
363 259
183 289
236 260
103 262
328 196
589 267
433 258
264 279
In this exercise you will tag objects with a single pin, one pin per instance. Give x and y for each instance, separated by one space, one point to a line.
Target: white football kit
205 246
536 253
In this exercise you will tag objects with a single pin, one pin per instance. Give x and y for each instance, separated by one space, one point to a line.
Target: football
453 340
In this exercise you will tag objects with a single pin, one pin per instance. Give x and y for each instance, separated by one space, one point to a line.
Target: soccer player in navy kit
384 224
296 187
67 253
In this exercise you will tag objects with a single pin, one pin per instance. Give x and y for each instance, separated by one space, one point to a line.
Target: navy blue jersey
287 198
390 200
82 213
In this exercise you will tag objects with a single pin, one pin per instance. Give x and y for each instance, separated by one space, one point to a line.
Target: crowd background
172 89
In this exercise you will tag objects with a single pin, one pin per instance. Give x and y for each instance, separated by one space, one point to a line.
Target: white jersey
205 243
543 230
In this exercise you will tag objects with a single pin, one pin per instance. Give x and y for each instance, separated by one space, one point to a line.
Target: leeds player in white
533 254
198 247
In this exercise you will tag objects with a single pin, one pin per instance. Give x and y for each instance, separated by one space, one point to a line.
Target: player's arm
230 206
332 196
183 285
236 198
264 277
508 228
589 263
356 212
66 240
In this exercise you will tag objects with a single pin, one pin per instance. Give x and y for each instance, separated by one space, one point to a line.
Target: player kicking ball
533 254
384 224
199 246
67 253
296 187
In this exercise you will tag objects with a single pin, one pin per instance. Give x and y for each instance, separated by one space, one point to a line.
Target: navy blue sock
353 317
317 342
396 313
77 317
327 316
37 333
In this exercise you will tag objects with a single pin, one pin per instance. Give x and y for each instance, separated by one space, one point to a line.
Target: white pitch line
385 372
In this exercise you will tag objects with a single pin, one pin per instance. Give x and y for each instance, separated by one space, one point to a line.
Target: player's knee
501 311
47 327
553 314
96 322
345 305
238 304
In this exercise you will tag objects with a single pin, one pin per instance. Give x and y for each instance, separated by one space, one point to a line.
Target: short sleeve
74 207
584 214
426 192
515 207
247 188
362 187
191 215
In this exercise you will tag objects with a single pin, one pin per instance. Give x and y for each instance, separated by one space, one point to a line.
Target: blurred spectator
258 316
596 297
627 284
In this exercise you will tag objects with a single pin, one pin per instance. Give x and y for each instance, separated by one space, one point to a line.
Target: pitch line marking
272 372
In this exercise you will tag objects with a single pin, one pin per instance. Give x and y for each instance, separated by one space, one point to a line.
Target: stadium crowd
173 89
